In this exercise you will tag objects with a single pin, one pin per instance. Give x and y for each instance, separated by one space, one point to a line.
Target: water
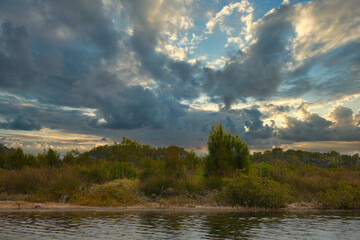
91 224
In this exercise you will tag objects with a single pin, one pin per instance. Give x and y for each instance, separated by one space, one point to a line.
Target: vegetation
226 153
254 191
343 196
130 173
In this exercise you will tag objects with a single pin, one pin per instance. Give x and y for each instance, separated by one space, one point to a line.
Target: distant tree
17 160
30 160
53 157
174 166
226 152
70 157
41 159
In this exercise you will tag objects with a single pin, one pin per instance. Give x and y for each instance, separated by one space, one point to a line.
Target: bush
63 183
251 190
343 196
46 183
24 181
152 177
169 177
121 192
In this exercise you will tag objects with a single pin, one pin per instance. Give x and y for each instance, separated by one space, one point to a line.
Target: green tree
226 152
53 157
17 159
70 157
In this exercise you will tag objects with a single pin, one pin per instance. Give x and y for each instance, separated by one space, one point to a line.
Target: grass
120 192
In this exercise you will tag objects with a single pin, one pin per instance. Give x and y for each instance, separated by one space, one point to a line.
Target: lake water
90 224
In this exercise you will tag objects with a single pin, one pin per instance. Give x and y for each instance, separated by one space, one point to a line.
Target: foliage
173 174
177 174
117 193
297 157
343 196
152 177
226 153
251 190
53 158
55 183
265 170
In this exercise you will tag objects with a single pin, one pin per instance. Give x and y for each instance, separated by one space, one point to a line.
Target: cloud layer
155 70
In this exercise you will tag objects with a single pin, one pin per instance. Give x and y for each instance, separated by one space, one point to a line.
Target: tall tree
226 152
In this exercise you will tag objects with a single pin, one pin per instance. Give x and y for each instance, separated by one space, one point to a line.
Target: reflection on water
177 225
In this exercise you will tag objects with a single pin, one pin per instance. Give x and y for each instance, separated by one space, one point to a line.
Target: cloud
178 78
322 25
317 128
255 73
313 128
21 122
218 19
327 76
57 24
112 68
34 57
16 67
120 106
255 127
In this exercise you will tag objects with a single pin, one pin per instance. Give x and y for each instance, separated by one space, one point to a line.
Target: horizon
80 74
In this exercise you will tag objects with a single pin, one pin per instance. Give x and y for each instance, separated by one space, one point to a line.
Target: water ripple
177 225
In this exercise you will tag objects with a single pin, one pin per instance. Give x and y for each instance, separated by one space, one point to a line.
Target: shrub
121 192
63 183
251 190
152 178
343 196
47 183
93 172
24 181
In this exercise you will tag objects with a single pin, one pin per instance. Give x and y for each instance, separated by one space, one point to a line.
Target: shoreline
55 206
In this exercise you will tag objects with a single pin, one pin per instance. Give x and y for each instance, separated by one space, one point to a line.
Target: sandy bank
21 205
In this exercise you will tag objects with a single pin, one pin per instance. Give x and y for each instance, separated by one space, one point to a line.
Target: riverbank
23 205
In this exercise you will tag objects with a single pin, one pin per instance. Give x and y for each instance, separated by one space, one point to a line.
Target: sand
21 205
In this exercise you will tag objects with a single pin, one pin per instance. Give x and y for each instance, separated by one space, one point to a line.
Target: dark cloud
21 122
177 78
247 123
296 87
313 128
56 24
255 73
256 129
16 67
135 107
342 67
128 107
278 108
317 128
66 52
343 117
230 125
49 116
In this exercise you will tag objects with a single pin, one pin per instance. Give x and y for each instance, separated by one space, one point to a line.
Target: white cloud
321 26
174 21
174 52
227 10
217 63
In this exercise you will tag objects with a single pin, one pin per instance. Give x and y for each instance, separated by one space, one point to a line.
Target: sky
75 74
